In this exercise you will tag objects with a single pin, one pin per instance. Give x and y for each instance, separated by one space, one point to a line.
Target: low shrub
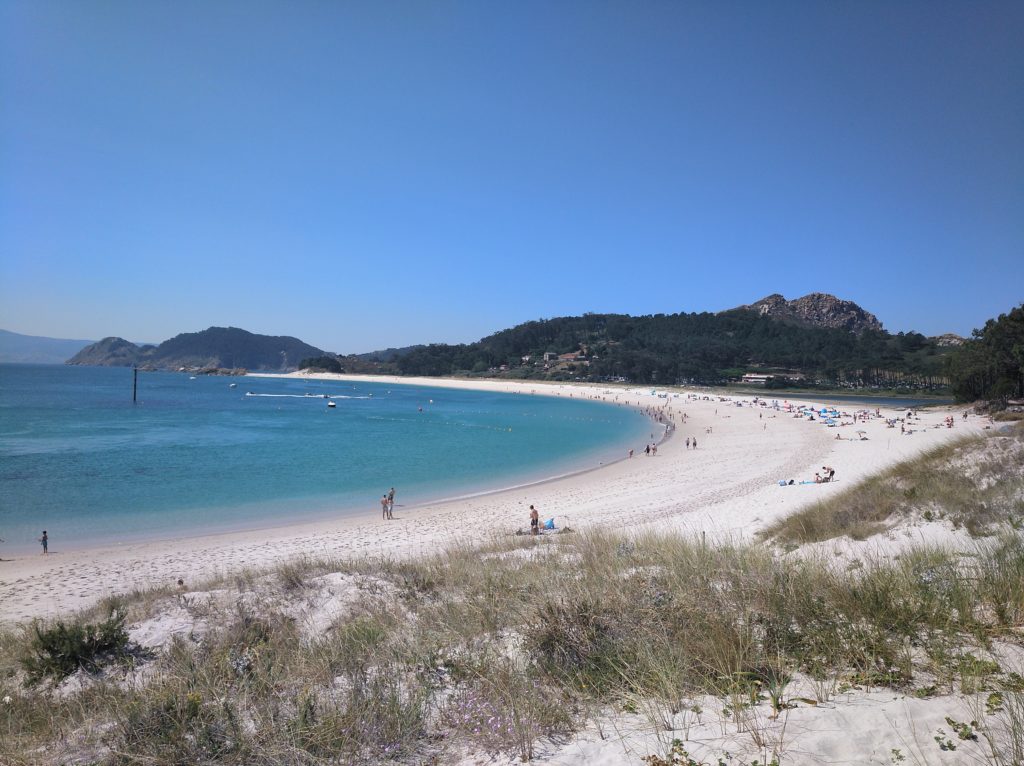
56 651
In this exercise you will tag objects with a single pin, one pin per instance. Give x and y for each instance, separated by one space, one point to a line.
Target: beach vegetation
976 484
509 646
325 363
55 651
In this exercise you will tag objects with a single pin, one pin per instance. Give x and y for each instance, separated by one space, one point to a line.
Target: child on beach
45 542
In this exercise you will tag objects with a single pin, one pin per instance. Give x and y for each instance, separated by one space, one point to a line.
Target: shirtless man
385 507
534 521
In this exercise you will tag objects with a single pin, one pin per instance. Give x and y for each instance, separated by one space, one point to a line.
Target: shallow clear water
79 460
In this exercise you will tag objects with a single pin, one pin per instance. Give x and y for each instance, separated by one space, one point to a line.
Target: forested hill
991 364
669 348
216 347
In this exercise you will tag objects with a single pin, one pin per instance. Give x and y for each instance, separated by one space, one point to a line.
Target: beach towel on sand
549 524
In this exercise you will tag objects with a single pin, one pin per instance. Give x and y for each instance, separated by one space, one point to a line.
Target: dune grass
497 648
976 483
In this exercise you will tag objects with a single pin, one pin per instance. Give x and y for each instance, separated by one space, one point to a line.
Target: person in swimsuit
45 542
384 507
534 521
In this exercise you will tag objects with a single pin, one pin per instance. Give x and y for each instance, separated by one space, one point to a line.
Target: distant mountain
214 348
109 352
33 349
816 310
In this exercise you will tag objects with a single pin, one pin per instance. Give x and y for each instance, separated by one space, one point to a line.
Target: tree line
700 348
990 365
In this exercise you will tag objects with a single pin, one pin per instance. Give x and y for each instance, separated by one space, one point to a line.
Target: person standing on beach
384 507
391 501
45 542
534 521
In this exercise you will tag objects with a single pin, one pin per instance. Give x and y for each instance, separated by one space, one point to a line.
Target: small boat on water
232 385
191 377
331 404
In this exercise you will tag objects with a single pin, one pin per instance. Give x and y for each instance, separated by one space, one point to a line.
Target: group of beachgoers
387 504
911 419
827 474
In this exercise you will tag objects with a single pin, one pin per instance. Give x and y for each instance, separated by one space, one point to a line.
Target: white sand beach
727 488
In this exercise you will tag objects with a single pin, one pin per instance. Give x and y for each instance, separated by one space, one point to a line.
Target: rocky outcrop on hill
226 348
949 339
819 310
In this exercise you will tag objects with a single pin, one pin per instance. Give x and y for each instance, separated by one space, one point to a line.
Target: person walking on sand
45 542
391 501
534 521
384 507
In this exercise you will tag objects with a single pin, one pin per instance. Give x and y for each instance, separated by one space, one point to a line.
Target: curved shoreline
193 513
726 487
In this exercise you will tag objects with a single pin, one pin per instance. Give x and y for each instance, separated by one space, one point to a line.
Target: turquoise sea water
79 460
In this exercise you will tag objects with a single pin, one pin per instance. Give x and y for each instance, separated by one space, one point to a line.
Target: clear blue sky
368 174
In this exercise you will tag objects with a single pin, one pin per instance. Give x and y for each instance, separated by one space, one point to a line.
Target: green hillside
693 348
214 348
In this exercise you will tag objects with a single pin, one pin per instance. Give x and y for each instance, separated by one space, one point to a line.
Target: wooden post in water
135 383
